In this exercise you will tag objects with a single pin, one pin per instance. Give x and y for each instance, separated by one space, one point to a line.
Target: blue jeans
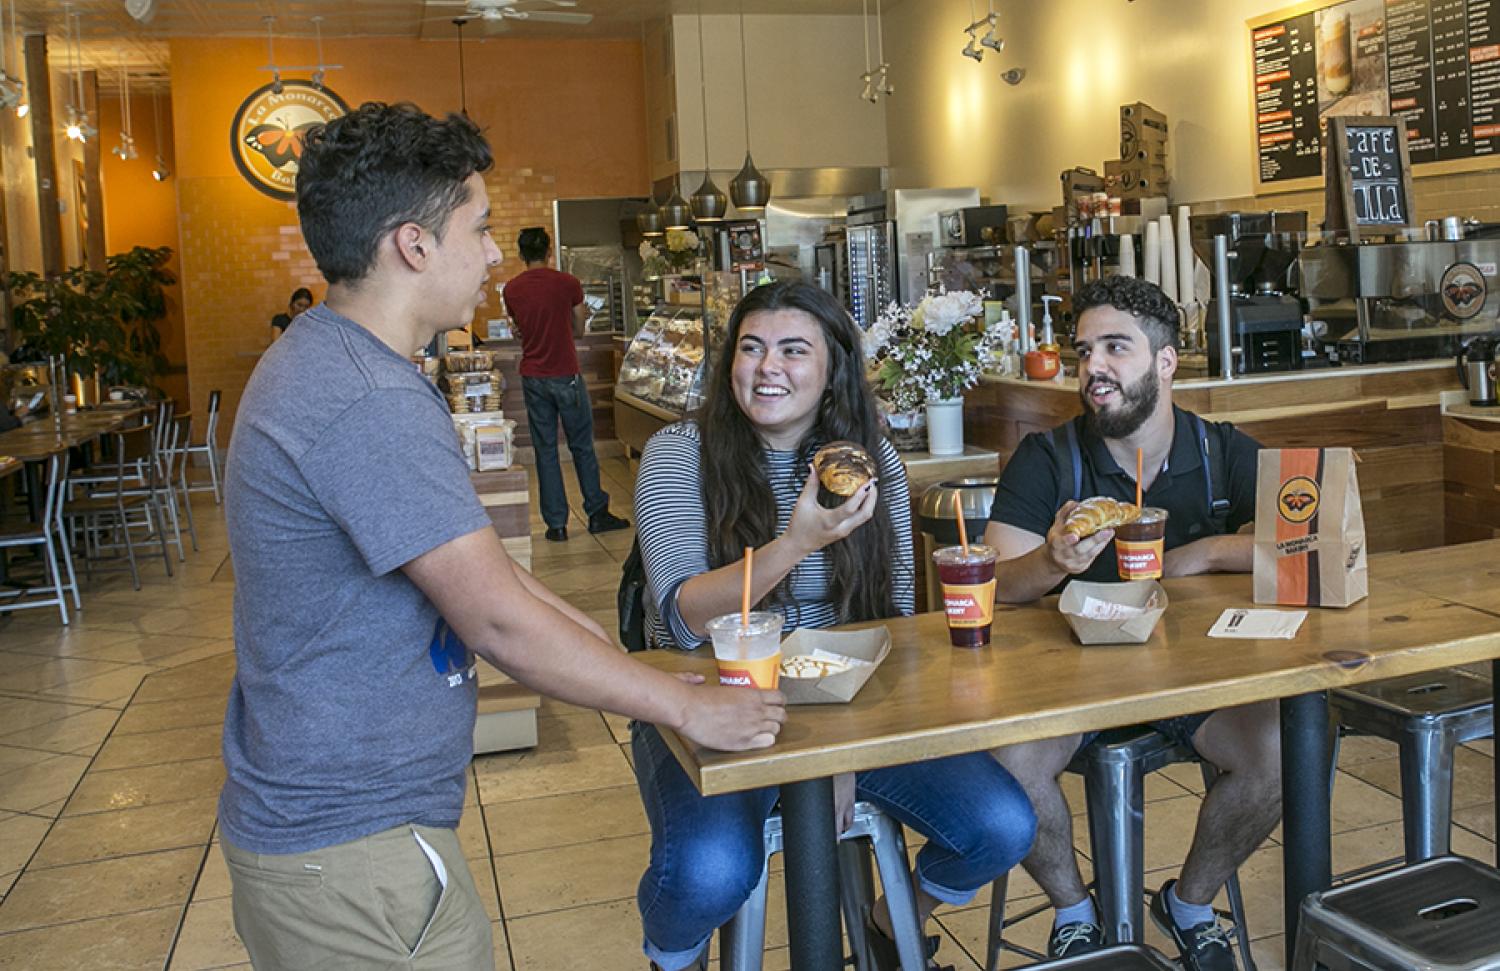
707 852
547 400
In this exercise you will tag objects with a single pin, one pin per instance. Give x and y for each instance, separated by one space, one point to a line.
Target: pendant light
750 190
675 213
709 203
160 173
125 151
649 221
463 98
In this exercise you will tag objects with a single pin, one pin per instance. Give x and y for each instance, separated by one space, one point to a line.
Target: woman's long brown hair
740 507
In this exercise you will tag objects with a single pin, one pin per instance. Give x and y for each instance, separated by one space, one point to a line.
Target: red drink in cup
968 580
1139 545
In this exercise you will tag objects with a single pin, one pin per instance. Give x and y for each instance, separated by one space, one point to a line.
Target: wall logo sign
1463 290
266 135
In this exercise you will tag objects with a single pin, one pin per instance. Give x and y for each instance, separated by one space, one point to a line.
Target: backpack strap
1069 458
630 600
1216 475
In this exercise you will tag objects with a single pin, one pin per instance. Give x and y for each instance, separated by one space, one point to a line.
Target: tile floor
109 768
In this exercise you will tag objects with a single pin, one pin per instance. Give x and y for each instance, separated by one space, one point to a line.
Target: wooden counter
1390 414
598 363
1471 470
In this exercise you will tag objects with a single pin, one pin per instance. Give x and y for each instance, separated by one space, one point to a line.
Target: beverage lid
954 555
762 622
1151 514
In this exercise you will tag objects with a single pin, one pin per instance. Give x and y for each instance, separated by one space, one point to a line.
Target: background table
929 700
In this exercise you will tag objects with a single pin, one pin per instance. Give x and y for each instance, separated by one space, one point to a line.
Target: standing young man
1203 474
547 309
367 572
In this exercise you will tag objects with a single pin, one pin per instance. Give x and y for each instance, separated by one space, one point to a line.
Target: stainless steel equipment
975 226
831 262
890 235
1403 301
1264 311
1476 369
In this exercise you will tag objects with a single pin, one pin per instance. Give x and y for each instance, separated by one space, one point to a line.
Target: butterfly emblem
278 143
1298 501
1461 292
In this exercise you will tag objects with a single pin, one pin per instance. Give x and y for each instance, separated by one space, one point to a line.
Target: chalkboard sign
1369 175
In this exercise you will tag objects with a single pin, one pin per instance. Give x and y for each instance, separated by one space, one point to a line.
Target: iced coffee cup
1139 545
749 654
968 581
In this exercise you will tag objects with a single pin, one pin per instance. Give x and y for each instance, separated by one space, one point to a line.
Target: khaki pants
401 899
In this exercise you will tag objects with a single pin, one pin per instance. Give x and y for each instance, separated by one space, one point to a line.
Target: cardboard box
1146 595
872 645
1309 529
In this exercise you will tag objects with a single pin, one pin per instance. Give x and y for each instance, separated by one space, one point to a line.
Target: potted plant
98 323
926 356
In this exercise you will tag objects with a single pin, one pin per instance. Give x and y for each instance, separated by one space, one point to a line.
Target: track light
160 173
23 109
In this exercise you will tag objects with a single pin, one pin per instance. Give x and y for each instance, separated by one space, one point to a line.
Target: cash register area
109 772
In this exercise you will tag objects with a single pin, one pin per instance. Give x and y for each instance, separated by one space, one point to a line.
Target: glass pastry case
662 373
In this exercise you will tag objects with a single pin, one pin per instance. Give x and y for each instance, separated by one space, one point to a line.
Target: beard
1137 402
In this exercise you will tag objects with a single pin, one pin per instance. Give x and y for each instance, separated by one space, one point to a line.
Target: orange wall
566 119
140 211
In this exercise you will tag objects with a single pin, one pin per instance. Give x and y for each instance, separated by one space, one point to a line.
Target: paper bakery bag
1309 529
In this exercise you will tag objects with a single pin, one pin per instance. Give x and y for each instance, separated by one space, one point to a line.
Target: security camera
1014 76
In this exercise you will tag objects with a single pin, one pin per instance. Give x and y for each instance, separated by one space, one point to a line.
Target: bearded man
1203 474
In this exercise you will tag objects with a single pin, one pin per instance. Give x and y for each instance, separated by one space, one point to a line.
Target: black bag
630 600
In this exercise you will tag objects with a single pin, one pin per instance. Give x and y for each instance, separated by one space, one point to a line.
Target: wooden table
929 700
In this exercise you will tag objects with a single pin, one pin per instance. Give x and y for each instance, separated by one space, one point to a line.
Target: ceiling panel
109 35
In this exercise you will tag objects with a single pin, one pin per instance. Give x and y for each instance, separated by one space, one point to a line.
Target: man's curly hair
1153 310
379 166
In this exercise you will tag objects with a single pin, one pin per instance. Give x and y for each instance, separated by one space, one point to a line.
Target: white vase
945 426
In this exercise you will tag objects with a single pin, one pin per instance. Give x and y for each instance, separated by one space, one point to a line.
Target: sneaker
606 521
1071 940
557 534
1204 947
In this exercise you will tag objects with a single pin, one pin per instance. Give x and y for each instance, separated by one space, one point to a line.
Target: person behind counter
368 576
548 311
792 379
1203 474
302 299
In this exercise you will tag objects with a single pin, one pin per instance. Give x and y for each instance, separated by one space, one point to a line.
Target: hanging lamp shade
709 203
649 222
675 213
750 189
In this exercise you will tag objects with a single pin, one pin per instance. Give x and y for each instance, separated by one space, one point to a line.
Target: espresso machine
1265 311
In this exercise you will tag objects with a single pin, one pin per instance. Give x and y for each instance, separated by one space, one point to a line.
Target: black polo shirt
1038 480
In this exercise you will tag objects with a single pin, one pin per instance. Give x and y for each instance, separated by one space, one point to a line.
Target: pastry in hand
843 467
1099 513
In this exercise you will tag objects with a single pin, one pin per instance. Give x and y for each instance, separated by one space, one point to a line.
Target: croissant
1099 513
843 467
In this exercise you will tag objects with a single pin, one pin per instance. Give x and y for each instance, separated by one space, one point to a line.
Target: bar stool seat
1122 957
742 940
1437 915
1114 767
1427 716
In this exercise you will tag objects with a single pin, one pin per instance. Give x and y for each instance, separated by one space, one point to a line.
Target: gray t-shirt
352 709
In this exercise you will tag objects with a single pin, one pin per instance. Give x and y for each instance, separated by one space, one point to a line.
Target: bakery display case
661 375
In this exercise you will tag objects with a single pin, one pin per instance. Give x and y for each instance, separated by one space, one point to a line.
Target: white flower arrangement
934 351
680 254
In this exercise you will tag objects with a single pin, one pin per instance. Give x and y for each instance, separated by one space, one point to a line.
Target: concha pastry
843 467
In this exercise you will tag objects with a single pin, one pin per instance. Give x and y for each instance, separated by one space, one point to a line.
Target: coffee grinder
1265 312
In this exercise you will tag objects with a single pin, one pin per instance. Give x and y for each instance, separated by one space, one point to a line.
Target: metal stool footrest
1440 914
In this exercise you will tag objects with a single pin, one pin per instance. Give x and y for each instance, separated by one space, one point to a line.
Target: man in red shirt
546 307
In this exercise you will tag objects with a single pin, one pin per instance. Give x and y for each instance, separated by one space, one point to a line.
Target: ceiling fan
495 14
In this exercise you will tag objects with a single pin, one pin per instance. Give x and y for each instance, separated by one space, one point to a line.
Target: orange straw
745 590
963 532
1138 458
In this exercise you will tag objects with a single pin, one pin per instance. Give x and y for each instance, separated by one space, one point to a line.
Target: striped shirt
673 532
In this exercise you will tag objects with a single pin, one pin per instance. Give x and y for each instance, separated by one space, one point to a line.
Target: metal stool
1124 957
1438 914
742 940
1114 768
1426 715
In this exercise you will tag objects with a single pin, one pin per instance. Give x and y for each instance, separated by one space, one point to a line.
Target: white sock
1079 913
1187 915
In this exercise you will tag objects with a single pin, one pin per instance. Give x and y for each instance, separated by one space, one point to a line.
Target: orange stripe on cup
1291 571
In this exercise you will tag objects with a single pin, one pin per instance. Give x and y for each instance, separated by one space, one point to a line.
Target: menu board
1435 64
1375 174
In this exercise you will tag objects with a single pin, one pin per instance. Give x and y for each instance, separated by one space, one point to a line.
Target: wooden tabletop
39 439
929 699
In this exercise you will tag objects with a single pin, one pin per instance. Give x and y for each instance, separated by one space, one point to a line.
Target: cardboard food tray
869 645
1134 593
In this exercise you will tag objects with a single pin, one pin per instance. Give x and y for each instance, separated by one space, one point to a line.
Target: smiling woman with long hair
789 379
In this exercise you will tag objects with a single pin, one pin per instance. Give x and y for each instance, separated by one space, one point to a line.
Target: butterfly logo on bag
1297 501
